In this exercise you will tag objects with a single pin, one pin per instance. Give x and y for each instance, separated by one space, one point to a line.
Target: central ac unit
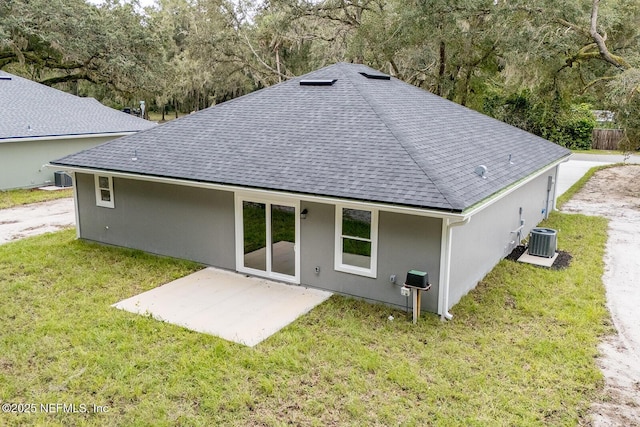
62 179
543 242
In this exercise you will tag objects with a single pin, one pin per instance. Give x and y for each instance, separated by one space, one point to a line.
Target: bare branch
276 72
600 40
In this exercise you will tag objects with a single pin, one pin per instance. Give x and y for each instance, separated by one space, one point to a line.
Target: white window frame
241 197
99 201
339 239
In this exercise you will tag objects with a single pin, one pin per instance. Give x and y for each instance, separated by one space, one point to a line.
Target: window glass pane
103 182
283 236
356 253
356 223
105 195
255 235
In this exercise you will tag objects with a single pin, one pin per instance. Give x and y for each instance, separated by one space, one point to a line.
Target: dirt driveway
615 194
37 218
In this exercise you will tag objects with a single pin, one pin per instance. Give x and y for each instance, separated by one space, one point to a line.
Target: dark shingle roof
29 109
360 138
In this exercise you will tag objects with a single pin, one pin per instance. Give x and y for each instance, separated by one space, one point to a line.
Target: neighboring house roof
30 110
360 138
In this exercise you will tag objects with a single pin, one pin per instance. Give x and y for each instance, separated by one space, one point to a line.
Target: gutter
499 195
74 136
445 265
263 193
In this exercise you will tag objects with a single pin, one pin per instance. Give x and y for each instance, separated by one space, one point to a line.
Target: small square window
104 191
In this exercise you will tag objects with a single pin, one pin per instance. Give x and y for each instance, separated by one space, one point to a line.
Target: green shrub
573 129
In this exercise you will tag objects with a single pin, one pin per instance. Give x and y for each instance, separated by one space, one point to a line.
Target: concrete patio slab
245 310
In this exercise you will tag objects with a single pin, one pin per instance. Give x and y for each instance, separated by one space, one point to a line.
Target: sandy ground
615 194
37 218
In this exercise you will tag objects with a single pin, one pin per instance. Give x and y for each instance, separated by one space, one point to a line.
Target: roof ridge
393 132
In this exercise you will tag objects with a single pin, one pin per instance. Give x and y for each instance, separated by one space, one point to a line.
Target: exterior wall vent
318 82
543 242
376 76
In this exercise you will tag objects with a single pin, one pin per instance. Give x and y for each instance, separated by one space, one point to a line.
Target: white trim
339 265
56 137
239 198
498 196
99 202
432 213
268 194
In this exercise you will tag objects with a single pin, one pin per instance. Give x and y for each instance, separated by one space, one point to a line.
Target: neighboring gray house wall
185 222
486 239
21 161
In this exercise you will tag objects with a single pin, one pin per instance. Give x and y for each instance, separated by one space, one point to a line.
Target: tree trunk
278 63
600 40
441 69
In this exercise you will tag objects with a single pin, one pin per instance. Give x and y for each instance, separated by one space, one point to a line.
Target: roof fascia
483 204
267 193
75 136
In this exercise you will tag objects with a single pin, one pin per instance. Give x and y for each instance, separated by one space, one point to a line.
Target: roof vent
376 76
481 171
5 77
318 82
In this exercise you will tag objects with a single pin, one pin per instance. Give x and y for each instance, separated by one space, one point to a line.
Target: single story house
342 179
39 123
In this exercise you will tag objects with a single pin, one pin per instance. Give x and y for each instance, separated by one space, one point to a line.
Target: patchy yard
520 350
11 198
614 193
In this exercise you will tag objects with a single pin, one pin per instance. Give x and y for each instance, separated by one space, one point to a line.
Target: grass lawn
11 198
520 350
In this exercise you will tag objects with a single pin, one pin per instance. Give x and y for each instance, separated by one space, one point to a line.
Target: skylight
376 76
318 82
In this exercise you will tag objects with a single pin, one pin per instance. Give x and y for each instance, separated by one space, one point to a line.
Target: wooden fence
606 139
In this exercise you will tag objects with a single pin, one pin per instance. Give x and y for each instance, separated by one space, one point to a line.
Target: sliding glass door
267 234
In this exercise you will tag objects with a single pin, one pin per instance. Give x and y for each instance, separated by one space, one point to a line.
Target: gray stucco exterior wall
479 245
182 222
198 224
405 242
21 162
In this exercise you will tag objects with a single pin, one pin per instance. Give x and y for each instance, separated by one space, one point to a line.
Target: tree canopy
538 65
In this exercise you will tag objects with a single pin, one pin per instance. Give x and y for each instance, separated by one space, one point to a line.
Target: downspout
550 184
76 205
445 265
555 189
